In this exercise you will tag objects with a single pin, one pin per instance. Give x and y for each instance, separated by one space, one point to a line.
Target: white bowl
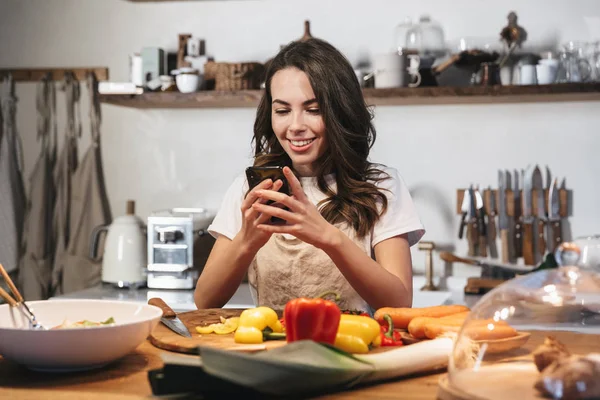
80 348
188 83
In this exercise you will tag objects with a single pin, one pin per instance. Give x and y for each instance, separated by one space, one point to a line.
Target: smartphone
256 175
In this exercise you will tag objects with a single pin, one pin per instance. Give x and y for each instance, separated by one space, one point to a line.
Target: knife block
565 200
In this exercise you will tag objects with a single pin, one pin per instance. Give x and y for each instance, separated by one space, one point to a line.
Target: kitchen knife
481 225
538 185
518 216
528 219
472 230
503 217
548 178
491 223
169 318
554 222
464 208
483 262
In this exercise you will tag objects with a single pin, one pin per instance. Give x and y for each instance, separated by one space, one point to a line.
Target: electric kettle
124 258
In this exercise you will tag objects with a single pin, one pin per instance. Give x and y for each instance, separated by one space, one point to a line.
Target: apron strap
53 146
71 88
95 114
43 108
9 117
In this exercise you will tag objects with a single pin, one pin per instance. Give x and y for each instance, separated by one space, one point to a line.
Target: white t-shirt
401 216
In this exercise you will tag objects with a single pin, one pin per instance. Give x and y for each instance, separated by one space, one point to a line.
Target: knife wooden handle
528 254
505 246
556 228
482 246
541 242
518 238
166 310
492 234
491 228
472 236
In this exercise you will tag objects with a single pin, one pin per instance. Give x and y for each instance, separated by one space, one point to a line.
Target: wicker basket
234 76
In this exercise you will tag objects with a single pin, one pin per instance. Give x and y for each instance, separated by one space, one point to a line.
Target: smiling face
296 119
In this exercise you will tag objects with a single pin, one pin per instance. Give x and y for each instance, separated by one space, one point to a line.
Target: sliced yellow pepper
252 323
226 326
229 326
203 330
356 333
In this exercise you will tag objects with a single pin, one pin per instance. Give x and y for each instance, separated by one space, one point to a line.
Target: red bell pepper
311 319
390 337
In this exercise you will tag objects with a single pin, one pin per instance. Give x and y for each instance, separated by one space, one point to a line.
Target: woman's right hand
251 236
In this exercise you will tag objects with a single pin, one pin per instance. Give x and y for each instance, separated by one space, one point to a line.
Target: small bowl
65 350
187 83
188 80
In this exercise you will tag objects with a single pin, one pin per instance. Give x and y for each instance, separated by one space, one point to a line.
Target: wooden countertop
124 379
128 379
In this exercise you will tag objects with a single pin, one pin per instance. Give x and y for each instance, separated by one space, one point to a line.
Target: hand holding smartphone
256 175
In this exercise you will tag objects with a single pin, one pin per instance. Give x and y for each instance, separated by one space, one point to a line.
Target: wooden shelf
381 97
57 74
158 1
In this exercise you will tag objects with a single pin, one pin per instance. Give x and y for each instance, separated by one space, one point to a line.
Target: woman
349 223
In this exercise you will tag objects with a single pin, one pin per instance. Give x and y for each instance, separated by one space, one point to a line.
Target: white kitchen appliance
124 259
171 235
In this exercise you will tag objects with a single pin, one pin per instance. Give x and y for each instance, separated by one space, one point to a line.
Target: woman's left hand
304 220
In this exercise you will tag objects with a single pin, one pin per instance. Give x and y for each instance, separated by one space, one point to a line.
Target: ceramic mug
546 73
188 80
393 70
528 75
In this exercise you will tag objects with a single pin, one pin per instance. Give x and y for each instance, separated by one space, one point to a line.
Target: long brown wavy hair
348 128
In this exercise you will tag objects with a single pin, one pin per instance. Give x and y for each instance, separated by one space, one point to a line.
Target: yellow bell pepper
252 323
356 333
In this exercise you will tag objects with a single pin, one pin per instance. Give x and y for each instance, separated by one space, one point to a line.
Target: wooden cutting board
164 338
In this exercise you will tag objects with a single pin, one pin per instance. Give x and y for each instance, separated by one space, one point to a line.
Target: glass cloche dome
536 336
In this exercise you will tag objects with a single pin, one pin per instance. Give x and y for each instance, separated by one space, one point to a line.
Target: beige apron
89 208
64 169
286 268
12 192
35 269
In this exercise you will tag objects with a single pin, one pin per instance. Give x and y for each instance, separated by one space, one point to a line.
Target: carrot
416 327
490 331
403 316
435 329
476 330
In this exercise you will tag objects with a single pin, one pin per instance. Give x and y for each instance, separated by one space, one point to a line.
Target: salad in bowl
81 334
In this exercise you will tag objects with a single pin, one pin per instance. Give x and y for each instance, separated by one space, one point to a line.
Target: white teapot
124 259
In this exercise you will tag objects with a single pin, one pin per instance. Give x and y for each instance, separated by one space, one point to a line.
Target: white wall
167 158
